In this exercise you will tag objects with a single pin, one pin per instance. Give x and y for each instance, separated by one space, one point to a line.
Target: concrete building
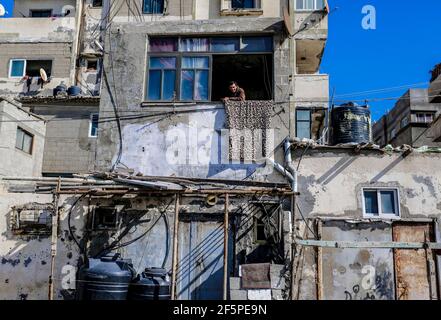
22 140
71 133
408 121
64 39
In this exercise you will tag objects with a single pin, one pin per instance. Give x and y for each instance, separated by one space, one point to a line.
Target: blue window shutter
17 68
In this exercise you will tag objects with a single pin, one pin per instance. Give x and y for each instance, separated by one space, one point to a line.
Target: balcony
435 85
37 29
312 87
312 25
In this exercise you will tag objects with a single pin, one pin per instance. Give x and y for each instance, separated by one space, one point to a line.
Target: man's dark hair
232 82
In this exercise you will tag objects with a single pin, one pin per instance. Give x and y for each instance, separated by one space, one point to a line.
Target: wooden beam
54 238
175 249
226 225
369 244
319 263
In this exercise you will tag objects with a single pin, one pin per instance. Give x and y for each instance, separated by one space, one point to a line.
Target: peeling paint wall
323 173
144 141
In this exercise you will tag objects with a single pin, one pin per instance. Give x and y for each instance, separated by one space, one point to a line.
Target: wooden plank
369 244
54 238
175 249
226 225
411 268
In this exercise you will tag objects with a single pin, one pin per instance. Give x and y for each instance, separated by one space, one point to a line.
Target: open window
40 13
97 3
200 69
105 218
18 68
93 125
32 219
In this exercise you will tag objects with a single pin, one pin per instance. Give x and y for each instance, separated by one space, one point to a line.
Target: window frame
164 8
94 5
180 54
381 215
90 125
309 10
177 69
10 68
25 132
310 120
41 10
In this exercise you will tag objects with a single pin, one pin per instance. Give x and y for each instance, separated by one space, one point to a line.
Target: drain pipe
290 173
289 163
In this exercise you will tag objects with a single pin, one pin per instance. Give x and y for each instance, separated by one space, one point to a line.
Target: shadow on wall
218 149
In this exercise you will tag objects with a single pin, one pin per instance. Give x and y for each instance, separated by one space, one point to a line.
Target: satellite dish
67 10
2 10
43 74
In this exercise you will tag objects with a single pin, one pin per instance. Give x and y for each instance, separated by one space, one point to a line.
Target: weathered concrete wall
145 142
68 147
357 274
15 162
37 29
60 54
330 182
23 6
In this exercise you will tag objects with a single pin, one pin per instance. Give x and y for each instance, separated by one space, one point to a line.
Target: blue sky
9 5
401 51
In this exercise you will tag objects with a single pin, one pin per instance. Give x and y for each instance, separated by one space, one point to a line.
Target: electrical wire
69 215
306 222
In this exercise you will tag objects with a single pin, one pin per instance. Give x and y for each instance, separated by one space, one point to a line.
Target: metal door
414 269
200 272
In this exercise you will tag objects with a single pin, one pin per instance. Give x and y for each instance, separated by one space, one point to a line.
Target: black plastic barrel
107 278
60 88
152 284
74 91
351 124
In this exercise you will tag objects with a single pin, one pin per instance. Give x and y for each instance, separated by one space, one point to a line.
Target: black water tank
152 284
60 88
107 278
351 124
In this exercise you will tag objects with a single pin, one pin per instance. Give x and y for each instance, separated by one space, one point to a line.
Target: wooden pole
293 249
175 249
319 263
226 225
54 239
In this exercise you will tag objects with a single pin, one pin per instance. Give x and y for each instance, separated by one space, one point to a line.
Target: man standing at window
235 93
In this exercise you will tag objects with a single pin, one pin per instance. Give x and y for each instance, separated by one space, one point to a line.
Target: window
200 68
91 65
97 3
404 122
423 117
40 13
393 133
259 231
243 4
381 203
162 78
24 140
33 218
93 125
105 218
194 78
303 123
310 4
33 67
17 68
153 6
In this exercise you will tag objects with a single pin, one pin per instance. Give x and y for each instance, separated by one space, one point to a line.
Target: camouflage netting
248 122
